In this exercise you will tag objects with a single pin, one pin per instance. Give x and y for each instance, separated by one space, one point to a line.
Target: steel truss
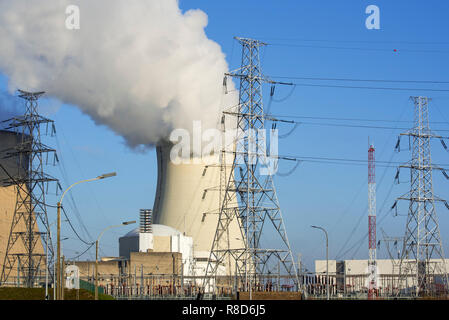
247 195
31 188
372 264
422 263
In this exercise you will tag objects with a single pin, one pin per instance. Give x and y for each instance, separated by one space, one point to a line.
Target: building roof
158 230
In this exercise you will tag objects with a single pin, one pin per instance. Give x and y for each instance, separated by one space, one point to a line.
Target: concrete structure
150 263
9 140
164 239
188 199
8 198
150 274
167 263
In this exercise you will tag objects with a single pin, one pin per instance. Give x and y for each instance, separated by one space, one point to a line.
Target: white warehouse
351 276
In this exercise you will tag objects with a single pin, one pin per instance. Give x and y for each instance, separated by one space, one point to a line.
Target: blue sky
326 39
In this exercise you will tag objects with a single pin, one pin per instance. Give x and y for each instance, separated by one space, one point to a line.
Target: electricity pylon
422 258
31 188
249 195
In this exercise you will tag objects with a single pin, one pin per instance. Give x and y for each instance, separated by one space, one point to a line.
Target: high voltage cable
355 41
345 163
356 87
369 88
73 229
359 80
378 187
270 118
37 201
351 161
394 50
360 219
361 241
76 257
365 210
382 218
70 195
358 126
351 125
336 160
349 119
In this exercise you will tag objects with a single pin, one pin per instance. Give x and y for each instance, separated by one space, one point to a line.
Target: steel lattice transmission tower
31 189
249 195
422 257
372 267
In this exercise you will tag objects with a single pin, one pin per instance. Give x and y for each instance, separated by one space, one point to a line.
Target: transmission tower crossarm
422 135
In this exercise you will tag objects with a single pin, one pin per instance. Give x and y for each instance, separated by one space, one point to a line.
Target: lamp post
96 252
47 265
62 275
327 260
58 262
48 236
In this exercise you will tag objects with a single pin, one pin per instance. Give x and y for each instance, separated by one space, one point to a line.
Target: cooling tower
188 199
8 198
9 140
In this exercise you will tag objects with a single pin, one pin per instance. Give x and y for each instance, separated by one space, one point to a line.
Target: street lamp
48 236
96 252
327 260
58 262
47 265
62 275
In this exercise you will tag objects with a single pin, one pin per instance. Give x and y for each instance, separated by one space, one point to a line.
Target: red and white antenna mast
372 223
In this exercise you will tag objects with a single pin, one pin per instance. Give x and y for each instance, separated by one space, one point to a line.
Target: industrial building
154 255
351 277
161 239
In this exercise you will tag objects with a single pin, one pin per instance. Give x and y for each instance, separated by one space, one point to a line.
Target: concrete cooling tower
8 199
188 199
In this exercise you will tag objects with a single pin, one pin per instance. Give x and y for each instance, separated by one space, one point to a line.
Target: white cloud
140 67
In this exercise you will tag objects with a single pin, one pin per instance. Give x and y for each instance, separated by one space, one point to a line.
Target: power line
350 119
368 88
350 125
70 195
359 80
357 41
336 160
364 215
359 126
73 229
394 50
380 183
272 118
76 257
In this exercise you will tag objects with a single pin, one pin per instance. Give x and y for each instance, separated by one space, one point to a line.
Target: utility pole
327 260
62 278
372 266
58 250
97 242
422 257
249 195
31 184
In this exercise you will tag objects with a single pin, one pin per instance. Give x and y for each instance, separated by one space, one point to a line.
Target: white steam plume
141 67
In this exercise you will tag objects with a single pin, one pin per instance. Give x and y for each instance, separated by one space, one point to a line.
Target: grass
39 294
